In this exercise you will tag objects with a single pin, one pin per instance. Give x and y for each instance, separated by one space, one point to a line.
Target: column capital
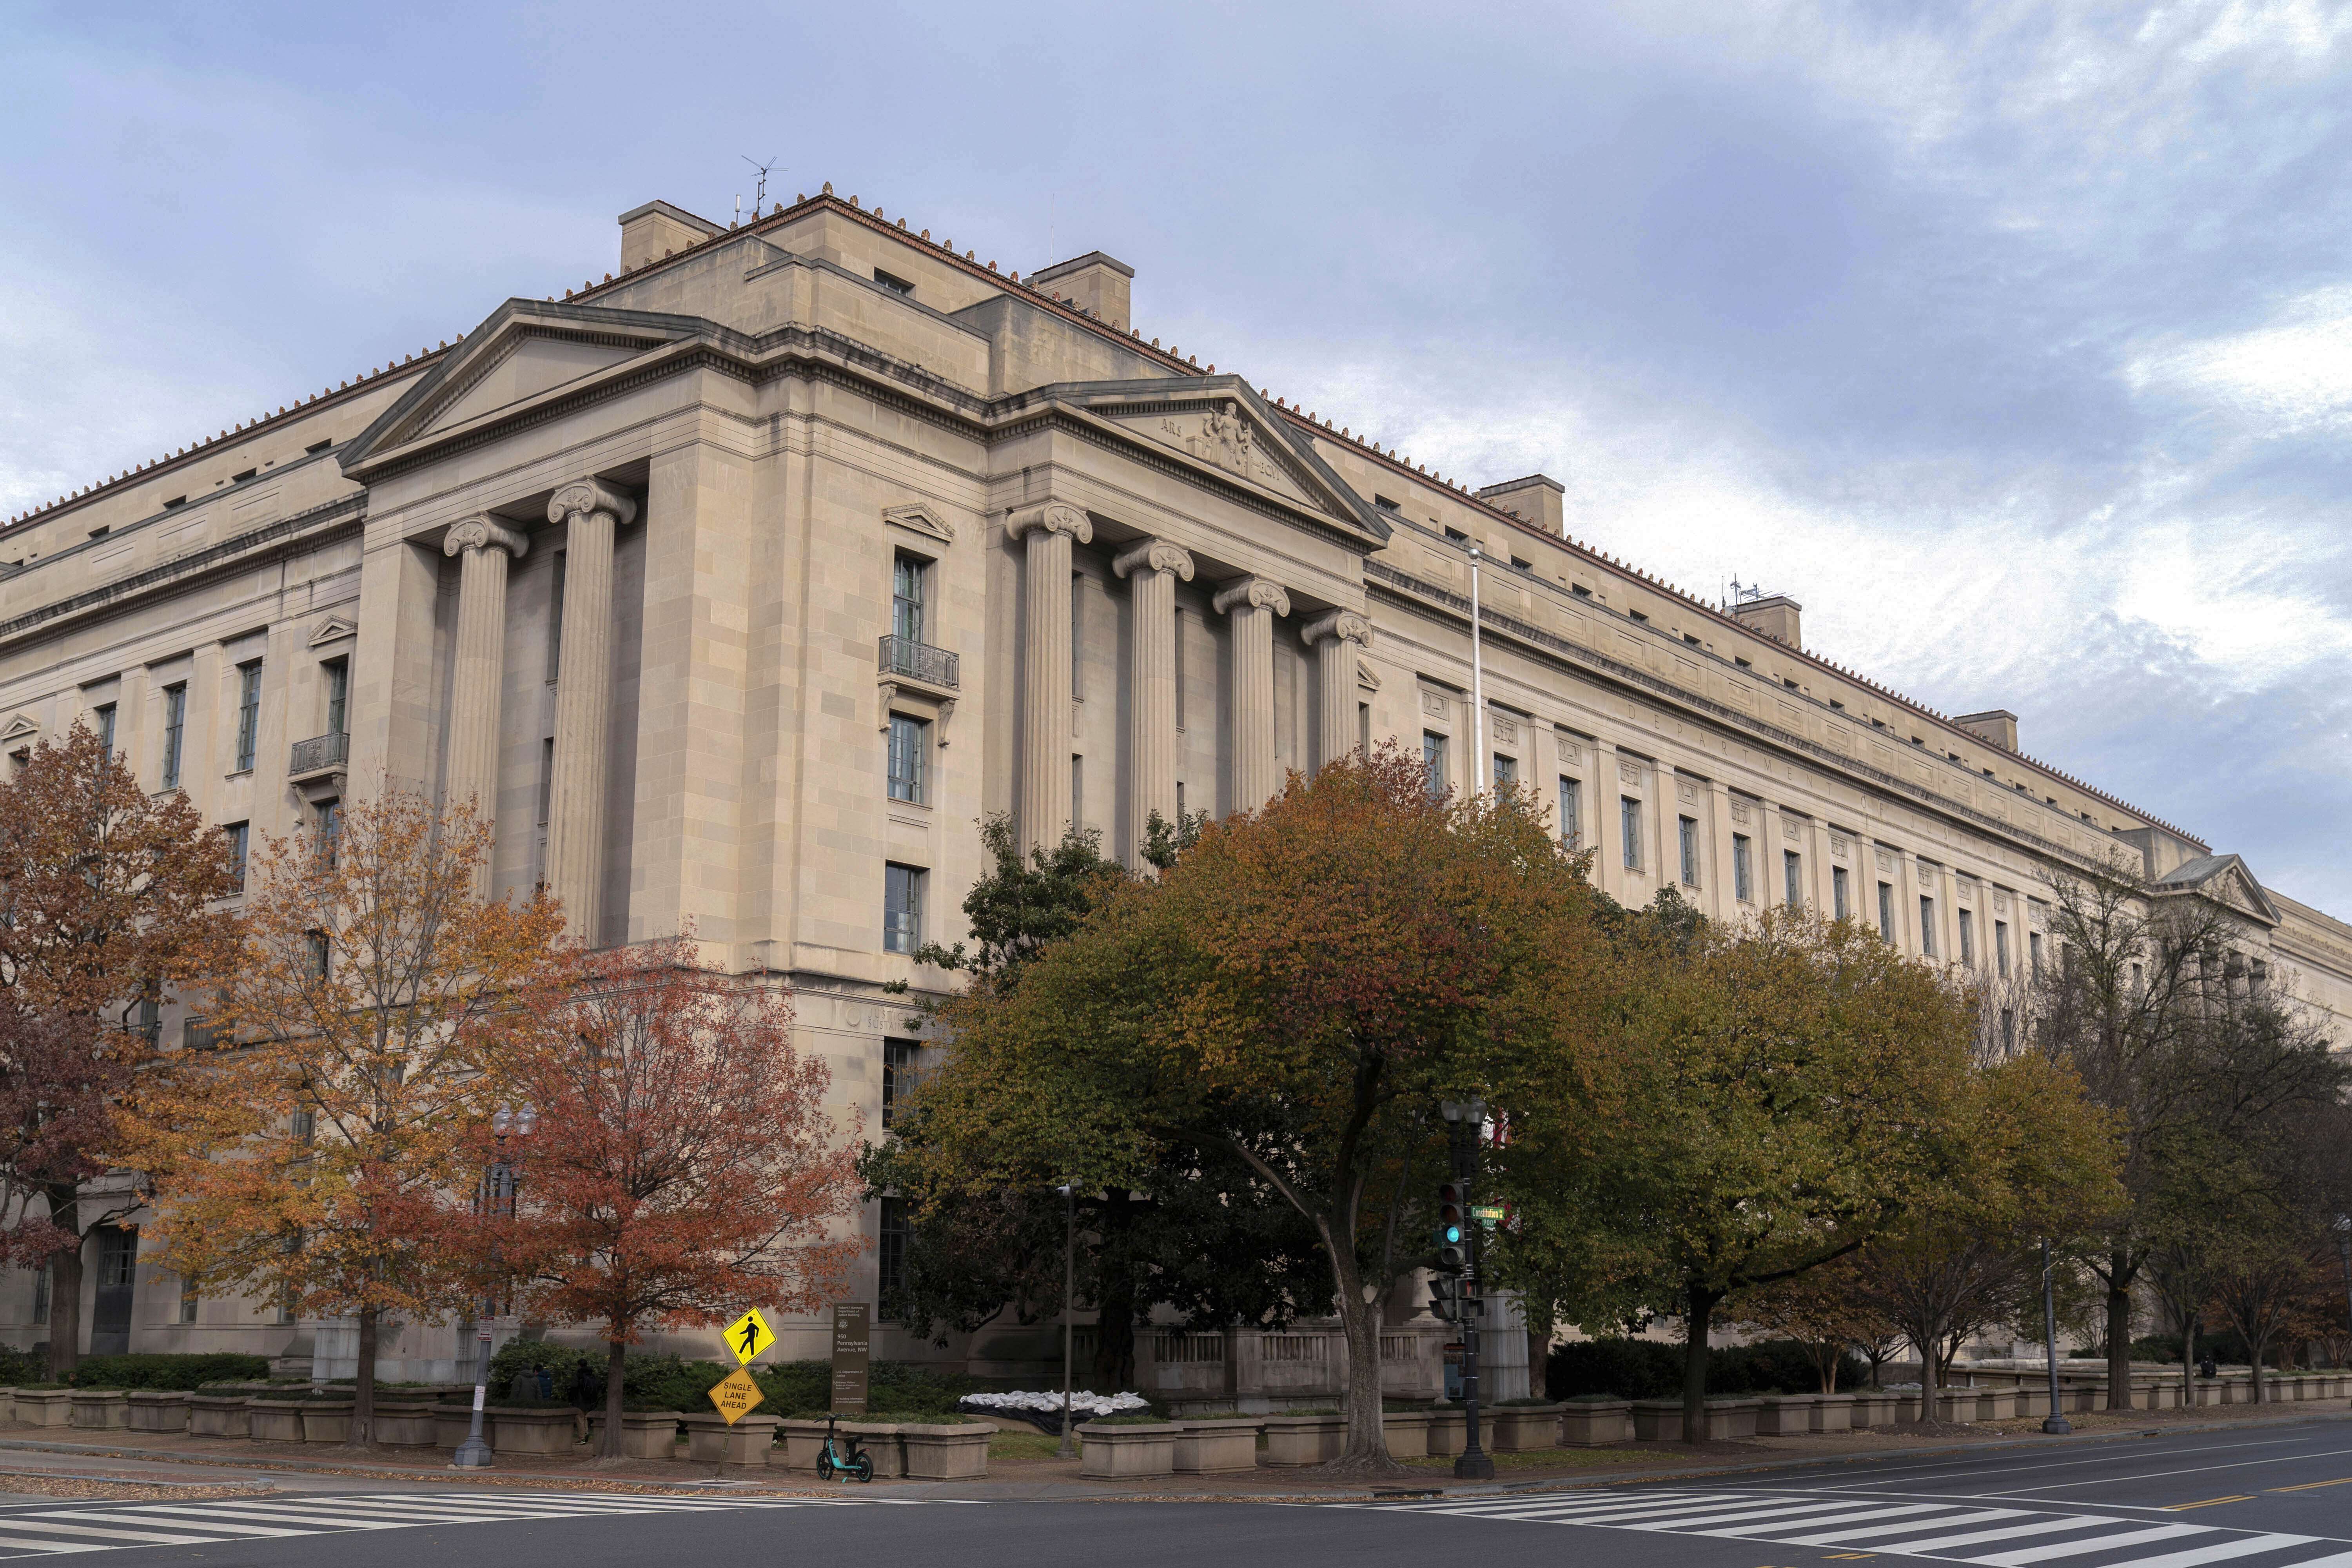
484 534
1155 555
590 496
1054 517
1345 625
1254 593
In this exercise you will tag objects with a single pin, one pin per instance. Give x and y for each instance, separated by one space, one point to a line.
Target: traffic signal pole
1457 1254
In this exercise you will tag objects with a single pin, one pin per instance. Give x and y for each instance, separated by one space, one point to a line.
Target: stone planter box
8 1405
1784 1414
276 1420
327 1420
1832 1413
1407 1432
1657 1420
159 1410
882 1440
803 1441
219 1415
451 1423
646 1435
46 1406
1595 1423
1955 1404
1113 1453
530 1430
1294 1440
958 1451
711 1441
1520 1429
1209 1447
1730 1418
1449 1433
102 1409
1872 1410
405 1423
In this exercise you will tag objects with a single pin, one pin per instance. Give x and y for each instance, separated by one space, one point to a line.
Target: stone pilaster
1336 638
591 513
1050 530
1251 605
484 547
1153 570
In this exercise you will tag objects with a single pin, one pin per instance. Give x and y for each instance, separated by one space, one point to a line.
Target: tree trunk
615 1353
1930 1375
2255 1348
1702 1314
363 1433
2188 1362
2119 1308
1368 1440
1538 1365
64 1302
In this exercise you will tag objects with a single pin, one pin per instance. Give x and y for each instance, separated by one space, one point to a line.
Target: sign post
738 1393
850 1351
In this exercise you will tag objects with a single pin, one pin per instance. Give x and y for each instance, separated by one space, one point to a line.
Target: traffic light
1453 1240
1445 1297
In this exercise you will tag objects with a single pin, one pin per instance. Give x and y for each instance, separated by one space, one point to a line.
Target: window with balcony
902 908
910 740
908 574
339 691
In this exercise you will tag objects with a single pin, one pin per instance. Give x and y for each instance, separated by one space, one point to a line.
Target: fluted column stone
591 512
1050 532
1251 606
1337 638
483 546
1152 569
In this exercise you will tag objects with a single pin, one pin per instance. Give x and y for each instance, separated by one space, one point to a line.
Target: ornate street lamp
497 1201
2055 1423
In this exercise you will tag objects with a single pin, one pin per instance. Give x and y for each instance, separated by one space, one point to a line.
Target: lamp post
2055 1423
500 1184
1480 764
1463 1120
1069 1303
2342 1229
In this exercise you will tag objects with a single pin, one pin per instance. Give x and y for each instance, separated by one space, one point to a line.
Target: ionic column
1152 569
1337 638
583 700
1251 604
1046 673
477 677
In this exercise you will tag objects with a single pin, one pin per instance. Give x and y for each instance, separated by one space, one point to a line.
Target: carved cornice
1155 555
1253 592
1054 517
1345 625
588 497
484 534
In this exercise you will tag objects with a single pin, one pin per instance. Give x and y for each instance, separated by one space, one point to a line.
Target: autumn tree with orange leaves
684 1168
363 1018
105 906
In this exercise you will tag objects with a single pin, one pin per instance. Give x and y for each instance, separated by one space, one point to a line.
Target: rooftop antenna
760 200
1745 595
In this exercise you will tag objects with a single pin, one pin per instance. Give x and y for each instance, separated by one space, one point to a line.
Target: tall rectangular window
175 727
908 741
1969 938
321 953
1571 811
248 713
1688 835
2033 944
1506 770
1927 926
1078 792
2001 948
1792 879
338 693
330 833
239 834
1629 822
1886 913
898 1076
188 1300
106 728
890 1252
902 908
906 586
1838 896
1743 868
1432 761
41 1294
2009 1028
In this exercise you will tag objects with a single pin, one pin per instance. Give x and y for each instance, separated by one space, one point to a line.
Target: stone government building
746 580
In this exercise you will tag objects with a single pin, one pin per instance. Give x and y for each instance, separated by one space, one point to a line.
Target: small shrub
149 1369
1650 1369
1137 1418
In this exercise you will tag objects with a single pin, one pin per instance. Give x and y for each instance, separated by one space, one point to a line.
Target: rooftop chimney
1775 617
652 231
1534 500
1092 282
1997 725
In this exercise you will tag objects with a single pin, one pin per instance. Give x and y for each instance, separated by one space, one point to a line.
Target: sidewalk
1022 1468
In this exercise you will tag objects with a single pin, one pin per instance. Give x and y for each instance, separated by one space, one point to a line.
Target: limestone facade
738 587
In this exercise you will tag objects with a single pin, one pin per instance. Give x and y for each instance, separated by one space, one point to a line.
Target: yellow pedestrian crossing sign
748 1335
735 1396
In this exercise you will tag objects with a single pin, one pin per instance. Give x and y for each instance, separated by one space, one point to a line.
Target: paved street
2274 1497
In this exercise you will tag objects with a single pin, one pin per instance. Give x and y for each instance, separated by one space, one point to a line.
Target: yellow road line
2343 1482
2209 1502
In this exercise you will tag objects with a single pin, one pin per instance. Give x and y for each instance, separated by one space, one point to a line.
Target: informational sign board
748 1335
735 1394
851 1321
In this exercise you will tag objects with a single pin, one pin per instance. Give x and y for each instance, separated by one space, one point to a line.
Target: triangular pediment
532 363
1222 436
920 518
2228 881
22 727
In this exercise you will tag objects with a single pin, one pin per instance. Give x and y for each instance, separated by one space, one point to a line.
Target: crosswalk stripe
11 1543
269 1515
142 1537
213 1525
1856 1514
1977 1538
2223 1550
1787 1513
2103 1543
1872 1531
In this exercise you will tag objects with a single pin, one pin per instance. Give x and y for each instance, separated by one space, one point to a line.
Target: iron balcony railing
918 661
319 752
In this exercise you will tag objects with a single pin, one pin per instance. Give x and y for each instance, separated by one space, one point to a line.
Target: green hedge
156 1370
1650 1368
668 1382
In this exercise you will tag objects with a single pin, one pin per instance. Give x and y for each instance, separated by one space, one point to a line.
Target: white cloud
2291 375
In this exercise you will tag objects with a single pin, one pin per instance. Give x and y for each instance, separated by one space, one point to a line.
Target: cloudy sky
2015 341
